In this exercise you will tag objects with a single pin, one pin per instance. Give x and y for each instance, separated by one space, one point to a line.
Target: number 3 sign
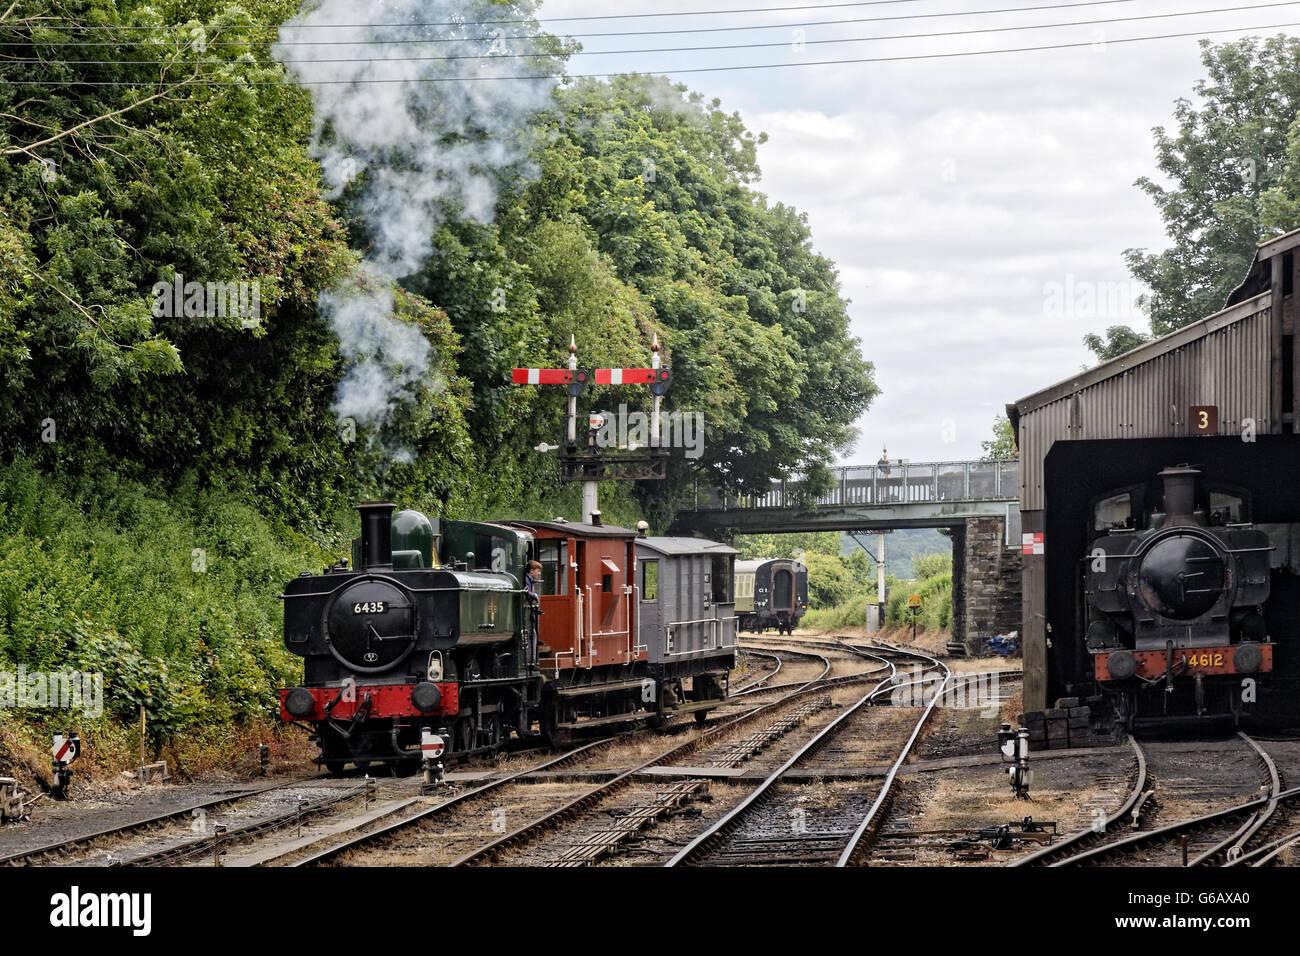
1203 419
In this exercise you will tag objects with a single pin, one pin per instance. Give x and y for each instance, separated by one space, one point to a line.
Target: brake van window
649 580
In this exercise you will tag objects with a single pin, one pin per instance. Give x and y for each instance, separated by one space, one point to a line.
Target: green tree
803 543
1003 443
1119 339
1231 179
830 583
750 316
117 186
927 566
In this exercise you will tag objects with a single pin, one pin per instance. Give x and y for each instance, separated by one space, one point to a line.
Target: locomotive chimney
376 535
1180 494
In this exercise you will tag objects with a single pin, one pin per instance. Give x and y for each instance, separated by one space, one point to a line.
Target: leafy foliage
139 433
173 598
1002 445
1233 181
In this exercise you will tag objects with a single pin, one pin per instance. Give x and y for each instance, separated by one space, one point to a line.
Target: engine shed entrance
1223 390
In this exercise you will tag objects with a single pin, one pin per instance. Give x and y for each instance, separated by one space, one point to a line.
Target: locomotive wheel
335 767
555 736
701 716
463 735
492 724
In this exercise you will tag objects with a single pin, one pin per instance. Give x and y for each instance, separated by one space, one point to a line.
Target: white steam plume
427 128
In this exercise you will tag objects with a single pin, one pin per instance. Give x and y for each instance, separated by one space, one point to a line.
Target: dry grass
1012 708
109 748
983 798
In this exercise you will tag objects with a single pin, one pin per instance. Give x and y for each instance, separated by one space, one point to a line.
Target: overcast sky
977 207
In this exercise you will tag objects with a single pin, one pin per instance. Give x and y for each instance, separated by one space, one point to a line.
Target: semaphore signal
593 464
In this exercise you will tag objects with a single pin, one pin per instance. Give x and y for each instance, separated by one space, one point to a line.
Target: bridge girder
882 517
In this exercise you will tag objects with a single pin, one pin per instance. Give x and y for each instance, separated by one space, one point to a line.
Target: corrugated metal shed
1243 360
1223 360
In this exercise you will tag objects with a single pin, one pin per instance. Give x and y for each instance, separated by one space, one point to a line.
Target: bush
172 598
850 614
930 565
936 601
830 583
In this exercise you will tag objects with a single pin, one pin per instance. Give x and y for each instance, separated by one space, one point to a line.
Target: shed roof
1140 355
684 545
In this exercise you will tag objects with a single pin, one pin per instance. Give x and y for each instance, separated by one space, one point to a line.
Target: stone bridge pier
985 581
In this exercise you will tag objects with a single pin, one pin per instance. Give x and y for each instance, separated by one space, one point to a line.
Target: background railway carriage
771 592
686 593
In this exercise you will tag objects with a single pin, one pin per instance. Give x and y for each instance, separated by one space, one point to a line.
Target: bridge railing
910 483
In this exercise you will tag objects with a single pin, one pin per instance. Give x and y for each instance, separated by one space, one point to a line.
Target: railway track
661 801
397 829
1075 843
390 819
1268 853
360 839
768 827
1216 838
761 678
108 838
210 848
758 688
231 845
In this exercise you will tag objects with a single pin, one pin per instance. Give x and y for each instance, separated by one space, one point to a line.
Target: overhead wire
581 36
692 49
690 69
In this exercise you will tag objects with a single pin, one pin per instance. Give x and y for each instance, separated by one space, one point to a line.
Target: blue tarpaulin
1004 644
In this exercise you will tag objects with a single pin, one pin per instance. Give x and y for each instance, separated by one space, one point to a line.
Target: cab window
1113 512
650 580
1226 508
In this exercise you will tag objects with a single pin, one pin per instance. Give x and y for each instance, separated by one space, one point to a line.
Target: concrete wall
986 582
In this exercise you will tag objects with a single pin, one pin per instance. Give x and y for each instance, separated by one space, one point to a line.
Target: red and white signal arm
65 749
1031 542
431 745
541 376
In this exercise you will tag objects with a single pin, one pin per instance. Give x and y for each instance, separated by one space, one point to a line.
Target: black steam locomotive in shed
1175 584
1160 516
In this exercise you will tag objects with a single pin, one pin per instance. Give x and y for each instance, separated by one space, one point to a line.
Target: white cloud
954 194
